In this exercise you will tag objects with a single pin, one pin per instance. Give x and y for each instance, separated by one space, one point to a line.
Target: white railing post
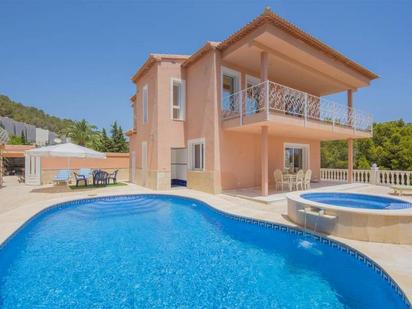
241 109
374 174
306 108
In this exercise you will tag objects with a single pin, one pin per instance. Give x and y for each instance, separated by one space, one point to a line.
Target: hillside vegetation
32 115
390 148
80 132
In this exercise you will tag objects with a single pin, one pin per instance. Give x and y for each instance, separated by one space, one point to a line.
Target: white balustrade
387 177
334 174
275 98
377 177
362 176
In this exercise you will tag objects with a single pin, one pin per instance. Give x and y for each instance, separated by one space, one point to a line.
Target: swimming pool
355 200
164 251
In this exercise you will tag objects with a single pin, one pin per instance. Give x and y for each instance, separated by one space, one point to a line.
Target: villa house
230 114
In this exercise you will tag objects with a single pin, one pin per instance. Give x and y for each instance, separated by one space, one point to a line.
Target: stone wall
155 180
205 181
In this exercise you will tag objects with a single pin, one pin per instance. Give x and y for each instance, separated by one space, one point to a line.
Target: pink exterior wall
203 106
241 158
160 132
112 161
147 132
232 158
171 133
132 148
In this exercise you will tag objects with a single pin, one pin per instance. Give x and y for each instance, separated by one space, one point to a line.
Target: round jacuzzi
352 215
355 200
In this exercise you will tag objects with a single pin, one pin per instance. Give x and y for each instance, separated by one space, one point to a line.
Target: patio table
290 178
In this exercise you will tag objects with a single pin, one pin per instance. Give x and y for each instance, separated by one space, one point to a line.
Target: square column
264 77
264 66
350 160
264 160
350 105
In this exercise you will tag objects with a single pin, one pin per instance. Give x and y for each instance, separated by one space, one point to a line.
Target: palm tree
81 132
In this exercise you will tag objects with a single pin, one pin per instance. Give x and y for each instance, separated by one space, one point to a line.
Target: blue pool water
356 200
161 251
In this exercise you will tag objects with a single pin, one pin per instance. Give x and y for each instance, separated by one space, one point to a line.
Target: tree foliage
390 148
81 133
118 139
116 143
18 140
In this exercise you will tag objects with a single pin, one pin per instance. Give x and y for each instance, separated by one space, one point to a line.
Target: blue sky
74 58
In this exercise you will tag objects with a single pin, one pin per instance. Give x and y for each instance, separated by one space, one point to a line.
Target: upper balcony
291 112
305 70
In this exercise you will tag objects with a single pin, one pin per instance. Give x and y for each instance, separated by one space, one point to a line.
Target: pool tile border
266 224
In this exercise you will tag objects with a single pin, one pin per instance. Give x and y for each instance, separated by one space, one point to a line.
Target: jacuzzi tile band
265 224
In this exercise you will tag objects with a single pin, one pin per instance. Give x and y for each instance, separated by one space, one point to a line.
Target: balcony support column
264 148
264 66
350 160
264 77
350 105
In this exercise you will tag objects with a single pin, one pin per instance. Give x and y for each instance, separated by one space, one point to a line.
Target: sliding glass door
296 157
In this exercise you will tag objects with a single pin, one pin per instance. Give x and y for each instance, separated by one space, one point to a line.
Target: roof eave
268 17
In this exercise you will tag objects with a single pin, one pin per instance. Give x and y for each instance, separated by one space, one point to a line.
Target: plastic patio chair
82 175
306 180
300 176
112 176
279 180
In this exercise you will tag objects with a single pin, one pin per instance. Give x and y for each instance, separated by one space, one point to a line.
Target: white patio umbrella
67 150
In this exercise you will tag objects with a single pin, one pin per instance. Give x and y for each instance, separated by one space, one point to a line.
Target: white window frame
306 150
232 73
182 98
145 104
190 155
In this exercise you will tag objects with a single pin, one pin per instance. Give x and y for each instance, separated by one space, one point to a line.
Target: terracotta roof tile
153 58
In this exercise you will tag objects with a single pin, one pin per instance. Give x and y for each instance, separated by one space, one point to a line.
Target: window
196 150
230 85
145 99
134 115
177 97
296 157
253 95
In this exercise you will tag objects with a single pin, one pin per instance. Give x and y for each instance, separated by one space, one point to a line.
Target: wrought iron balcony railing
274 98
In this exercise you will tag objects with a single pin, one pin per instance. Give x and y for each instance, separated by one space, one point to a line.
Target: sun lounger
62 176
400 189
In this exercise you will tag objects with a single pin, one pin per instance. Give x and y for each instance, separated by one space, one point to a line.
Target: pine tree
118 139
106 142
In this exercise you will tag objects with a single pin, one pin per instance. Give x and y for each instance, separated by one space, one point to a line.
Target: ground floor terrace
242 159
20 202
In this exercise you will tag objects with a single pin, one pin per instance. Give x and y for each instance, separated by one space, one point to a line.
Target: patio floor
254 193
